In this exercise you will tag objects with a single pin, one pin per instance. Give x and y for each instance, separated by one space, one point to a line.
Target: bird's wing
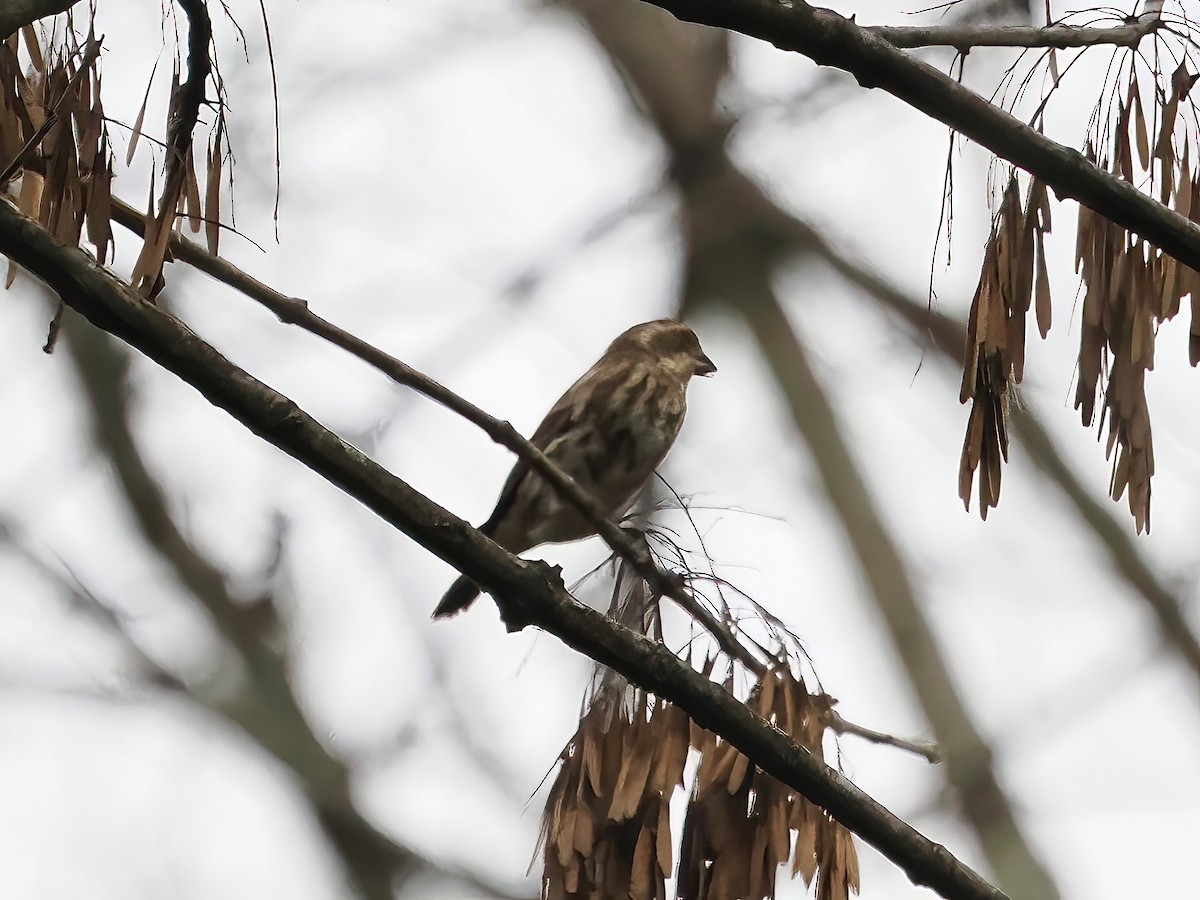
558 423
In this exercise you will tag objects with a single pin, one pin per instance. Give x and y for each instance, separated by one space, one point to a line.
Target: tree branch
266 709
964 37
15 14
527 592
829 39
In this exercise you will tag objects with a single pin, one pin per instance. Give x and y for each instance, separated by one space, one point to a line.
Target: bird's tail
461 595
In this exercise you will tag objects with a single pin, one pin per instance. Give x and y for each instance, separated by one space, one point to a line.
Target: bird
609 432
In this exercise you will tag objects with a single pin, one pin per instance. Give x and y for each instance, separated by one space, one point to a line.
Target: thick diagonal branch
528 593
15 14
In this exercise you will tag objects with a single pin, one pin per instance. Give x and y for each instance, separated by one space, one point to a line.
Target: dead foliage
56 153
1130 288
53 137
1013 279
743 824
607 830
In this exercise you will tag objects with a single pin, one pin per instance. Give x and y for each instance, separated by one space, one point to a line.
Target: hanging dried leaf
99 205
1139 124
1013 273
212 192
1182 81
1044 310
34 47
737 834
191 192
136 134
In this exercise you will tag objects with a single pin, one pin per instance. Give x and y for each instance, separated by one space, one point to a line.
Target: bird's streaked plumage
609 432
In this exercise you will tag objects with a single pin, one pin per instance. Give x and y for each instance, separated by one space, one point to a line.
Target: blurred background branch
263 705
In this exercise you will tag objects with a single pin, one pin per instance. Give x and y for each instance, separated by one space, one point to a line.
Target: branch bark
529 593
964 37
15 14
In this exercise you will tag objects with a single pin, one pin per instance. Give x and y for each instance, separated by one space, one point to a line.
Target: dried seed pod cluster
606 830
1131 287
53 136
1014 277
742 824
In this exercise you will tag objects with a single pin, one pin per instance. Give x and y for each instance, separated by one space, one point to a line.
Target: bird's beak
704 365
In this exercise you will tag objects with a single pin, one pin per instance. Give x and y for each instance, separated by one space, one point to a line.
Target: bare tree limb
529 593
964 37
15 14
267 709
832 40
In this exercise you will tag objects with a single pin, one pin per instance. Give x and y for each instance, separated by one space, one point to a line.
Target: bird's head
672 345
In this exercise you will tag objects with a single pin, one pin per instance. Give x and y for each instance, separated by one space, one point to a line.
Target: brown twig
186 101
835 722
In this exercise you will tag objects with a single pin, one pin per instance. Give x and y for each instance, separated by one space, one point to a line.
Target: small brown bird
609 432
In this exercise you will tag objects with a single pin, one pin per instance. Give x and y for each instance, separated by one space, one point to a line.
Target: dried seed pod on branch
742 824
1014 278
1131 287
54 138
607 830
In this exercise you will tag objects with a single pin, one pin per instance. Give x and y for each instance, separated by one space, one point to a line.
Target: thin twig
181 122
964 37
834 721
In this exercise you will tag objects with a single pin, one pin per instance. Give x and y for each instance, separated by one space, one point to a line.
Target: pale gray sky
431 153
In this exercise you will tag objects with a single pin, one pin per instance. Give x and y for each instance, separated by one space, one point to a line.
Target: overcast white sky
431 153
